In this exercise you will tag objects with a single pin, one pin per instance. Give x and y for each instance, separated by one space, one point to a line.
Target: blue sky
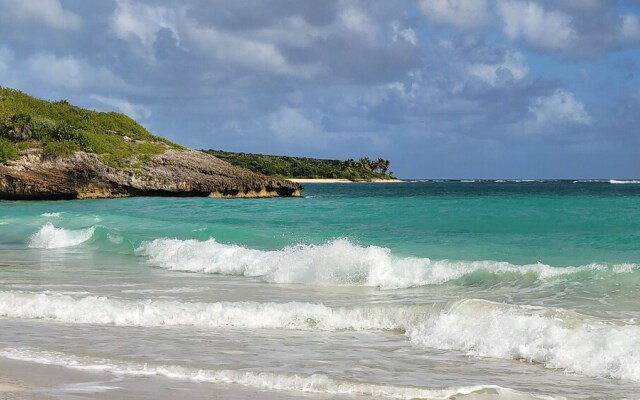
442 88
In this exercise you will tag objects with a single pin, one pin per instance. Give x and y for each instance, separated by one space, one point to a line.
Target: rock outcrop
175 173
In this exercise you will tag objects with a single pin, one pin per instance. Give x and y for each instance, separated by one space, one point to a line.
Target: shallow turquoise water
466 279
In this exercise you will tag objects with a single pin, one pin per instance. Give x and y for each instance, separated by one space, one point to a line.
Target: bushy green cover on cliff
60 128
302 167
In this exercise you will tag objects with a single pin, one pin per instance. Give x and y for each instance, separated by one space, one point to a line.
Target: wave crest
50 237
246 314
556 338
340 262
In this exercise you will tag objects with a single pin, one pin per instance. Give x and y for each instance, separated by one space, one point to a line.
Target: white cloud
250 53
512 65
459 13
70 73
141 22
541 29
291 124
357 21
630 27
407 34
49 12
134 111
560 107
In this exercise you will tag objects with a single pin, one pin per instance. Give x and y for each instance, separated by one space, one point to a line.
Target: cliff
59 151
173 173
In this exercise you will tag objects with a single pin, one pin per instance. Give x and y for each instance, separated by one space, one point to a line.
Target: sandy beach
304 180
31 381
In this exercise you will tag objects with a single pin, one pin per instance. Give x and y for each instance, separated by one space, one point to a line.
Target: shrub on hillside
64 148
8 150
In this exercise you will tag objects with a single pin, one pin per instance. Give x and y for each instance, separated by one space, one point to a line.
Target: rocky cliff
176 172
55 150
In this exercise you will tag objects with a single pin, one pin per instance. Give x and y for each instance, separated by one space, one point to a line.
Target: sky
442 88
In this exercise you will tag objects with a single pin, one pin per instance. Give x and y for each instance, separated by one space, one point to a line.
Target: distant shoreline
323 180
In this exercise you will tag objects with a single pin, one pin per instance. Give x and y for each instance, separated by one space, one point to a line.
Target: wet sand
29 381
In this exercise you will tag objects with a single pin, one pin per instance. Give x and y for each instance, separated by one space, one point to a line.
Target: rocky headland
83 175
59 151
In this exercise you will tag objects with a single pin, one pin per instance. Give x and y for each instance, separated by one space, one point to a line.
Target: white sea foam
51 215
338 262
250 315
614 181
316 383
50 237
555 338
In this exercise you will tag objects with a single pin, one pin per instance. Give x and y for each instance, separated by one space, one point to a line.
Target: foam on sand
316 383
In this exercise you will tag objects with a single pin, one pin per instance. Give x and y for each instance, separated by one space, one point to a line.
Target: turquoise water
410 286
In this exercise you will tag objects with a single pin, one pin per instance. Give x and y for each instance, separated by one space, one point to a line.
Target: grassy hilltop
302 167
60 128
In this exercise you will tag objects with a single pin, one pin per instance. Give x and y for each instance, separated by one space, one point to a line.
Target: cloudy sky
442 88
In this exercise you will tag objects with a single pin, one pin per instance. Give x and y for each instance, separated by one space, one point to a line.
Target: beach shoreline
326 180
33 381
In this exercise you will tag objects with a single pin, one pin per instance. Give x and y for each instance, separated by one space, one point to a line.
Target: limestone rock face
174 173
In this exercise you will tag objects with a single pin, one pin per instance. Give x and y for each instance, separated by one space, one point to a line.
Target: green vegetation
8 150
309 168
60 128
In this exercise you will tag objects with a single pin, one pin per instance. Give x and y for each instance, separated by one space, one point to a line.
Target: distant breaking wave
554 338
316 383
614 181
340 262
50 237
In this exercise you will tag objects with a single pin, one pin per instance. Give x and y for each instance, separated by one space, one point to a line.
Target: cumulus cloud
511 67
406 34
542 29
574 28
243 51
139 23
630 27
135 111
299 75
459 13
71 73
561 108
49 12
291 124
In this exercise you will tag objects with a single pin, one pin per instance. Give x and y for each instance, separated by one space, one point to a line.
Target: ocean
422 289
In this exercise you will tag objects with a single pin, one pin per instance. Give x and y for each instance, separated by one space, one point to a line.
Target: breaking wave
555 338
246 314
614 181
340 262
50 237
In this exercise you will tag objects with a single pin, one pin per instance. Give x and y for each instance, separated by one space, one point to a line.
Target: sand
29 381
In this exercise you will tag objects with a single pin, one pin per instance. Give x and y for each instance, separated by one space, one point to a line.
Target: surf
340 262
